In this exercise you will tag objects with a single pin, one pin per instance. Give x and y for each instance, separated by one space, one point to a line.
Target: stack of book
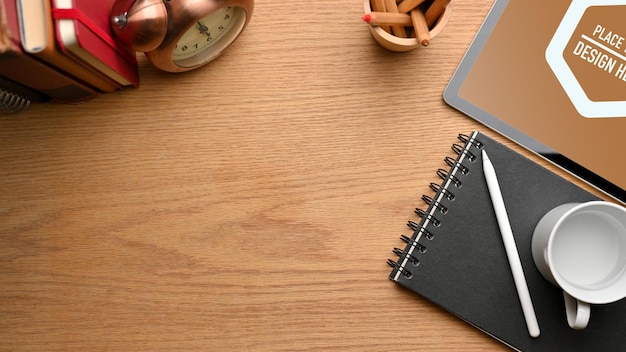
60 50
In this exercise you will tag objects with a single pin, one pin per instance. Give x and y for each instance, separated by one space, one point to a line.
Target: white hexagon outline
556 61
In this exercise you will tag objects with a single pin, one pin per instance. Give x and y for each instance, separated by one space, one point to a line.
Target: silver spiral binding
415 226
12 102
470 140
428 216
459 149
430 201
436 187
444 175
401 270
451 162
438 207
399 252
408 240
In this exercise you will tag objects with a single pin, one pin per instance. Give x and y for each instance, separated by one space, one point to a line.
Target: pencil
419 25
510 247
392 7
407 5
387 19
379 6
434 11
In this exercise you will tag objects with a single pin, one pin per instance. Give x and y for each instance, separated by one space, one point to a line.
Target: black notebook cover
456 258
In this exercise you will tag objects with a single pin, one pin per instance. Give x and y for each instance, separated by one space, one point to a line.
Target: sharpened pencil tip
485 156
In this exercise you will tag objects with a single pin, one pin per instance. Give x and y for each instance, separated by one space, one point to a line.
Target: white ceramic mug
581 247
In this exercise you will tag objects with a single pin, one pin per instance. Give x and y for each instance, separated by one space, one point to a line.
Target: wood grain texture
249 205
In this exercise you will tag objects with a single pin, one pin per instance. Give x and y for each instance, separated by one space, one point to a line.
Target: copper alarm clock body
140 24
155 27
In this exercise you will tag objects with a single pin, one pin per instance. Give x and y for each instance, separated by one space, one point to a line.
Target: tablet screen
551 75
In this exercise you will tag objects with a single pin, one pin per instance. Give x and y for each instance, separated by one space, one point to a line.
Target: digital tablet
551 76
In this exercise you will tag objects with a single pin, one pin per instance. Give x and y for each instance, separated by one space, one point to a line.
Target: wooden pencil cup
398 44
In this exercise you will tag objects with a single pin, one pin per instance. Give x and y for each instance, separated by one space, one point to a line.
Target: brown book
19 67
38 38
21 90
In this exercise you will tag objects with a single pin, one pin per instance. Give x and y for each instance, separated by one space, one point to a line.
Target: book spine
35 20
19 67
432 218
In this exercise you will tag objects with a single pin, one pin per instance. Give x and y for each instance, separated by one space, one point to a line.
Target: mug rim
594 296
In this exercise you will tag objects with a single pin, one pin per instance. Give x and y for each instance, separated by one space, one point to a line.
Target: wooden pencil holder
398 44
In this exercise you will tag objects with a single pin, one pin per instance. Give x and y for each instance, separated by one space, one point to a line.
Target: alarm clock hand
203 28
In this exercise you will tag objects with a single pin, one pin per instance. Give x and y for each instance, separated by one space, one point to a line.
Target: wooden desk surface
249 205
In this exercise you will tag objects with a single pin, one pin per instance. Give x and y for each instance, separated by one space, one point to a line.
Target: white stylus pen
510 247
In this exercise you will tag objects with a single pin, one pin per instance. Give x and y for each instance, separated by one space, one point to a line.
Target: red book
83 31
39 40
21 68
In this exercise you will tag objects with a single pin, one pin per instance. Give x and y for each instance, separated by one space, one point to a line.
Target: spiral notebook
456 258
15 97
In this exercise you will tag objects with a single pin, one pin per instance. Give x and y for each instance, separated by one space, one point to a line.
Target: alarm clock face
209 36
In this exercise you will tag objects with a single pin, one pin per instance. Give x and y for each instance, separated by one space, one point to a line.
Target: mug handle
578 312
